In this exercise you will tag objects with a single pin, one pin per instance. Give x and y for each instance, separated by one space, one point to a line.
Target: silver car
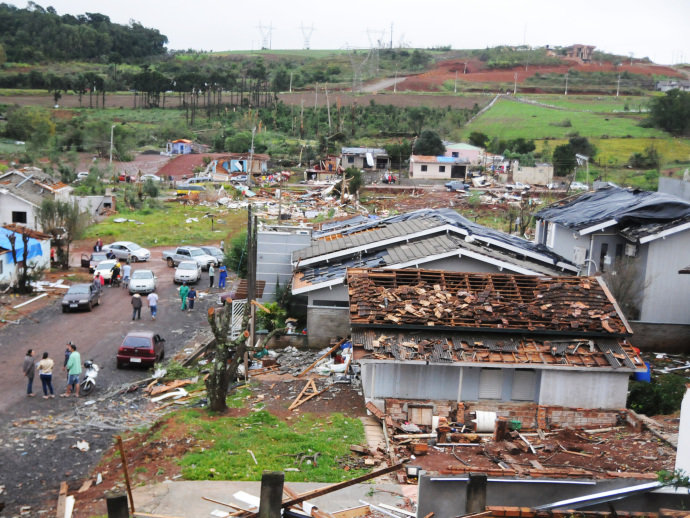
128 250
142 281
187 271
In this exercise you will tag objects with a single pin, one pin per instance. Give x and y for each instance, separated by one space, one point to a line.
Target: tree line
36 34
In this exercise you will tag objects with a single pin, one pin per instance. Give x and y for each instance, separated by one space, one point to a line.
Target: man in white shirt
152 300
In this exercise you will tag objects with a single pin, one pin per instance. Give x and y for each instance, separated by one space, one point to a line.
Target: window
19 217
455 154
441 169
331 303
423 168
524 382
350 160
490 383
602 256
619 250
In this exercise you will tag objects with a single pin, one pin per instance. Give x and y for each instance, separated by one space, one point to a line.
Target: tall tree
429 143
672 112
564 161
65 222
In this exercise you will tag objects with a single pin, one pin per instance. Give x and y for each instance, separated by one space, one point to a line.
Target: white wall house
438 167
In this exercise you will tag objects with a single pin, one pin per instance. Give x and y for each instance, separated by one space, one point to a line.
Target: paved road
97 335
35 455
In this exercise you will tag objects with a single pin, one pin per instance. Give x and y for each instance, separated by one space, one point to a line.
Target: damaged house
541 349
609 229
437 239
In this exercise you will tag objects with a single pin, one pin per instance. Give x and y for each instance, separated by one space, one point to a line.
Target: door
458 171
490 383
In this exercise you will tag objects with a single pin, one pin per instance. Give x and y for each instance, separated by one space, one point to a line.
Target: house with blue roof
38 250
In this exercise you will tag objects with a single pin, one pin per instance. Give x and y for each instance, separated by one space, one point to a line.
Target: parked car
555 185
105 268
214 252
198 180
91 261
240 178
152 177
81 296
456 185
141 348
127 178
189 253
579 186
128 250
82 175
142 281
187 271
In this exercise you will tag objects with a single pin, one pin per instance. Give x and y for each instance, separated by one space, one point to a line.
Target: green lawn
227 441
510 119
170 225
592 103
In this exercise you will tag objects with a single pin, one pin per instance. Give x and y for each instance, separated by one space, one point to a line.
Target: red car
141 348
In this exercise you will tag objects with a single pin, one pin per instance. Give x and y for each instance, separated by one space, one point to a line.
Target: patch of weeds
176 371
140 469
160 472
239 398
275 445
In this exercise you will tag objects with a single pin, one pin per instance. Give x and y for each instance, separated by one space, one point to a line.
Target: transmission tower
266 35
306 34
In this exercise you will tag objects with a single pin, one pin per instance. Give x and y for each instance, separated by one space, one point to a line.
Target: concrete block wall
326 323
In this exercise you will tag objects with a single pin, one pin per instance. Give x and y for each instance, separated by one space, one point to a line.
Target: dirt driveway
36 455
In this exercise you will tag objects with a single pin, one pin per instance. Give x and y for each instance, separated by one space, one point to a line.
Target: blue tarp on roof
35 249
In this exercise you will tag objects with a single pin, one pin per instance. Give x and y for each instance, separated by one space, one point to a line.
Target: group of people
71 366
188 297
137 302
222 276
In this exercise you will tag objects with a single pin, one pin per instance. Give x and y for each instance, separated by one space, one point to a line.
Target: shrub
662 396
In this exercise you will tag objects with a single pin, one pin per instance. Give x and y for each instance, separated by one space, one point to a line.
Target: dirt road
36 455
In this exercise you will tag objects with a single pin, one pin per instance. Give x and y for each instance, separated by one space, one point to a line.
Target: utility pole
455 88
290 82
112 129
251 160
618 88
328 107
566 83
316 106
395 85
515 85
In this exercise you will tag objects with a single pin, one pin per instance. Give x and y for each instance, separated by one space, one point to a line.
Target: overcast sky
659 30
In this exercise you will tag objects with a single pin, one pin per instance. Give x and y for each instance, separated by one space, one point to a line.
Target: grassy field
274 444
170 226
591 103
509 119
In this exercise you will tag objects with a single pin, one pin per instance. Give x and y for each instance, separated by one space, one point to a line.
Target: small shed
180 146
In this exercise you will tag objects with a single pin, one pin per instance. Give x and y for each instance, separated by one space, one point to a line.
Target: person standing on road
68 351
191 297
29 367
136 306
152 299
184 290
45 372
223 273
126 271
73 371
211 275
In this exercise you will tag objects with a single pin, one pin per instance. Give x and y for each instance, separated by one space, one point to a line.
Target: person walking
136 306
68 352
99 245
29 367
191 297
152 300
211 275
223 273
45 372
73 371
126 271
184 290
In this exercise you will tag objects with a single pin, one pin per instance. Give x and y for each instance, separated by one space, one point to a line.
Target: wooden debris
161 389
300 400
330 351
62 499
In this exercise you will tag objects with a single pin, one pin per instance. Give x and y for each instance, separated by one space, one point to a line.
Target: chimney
683 451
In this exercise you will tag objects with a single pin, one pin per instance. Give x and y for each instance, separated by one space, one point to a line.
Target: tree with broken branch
221 373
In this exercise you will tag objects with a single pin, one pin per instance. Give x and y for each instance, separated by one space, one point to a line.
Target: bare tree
627 285
65 222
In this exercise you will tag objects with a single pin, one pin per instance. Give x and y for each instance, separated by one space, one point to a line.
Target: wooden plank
62 498
352 512
330 351
341 485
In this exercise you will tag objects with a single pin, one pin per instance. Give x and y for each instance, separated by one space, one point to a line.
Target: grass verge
226 441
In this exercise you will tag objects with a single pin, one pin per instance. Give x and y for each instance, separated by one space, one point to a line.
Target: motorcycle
90 375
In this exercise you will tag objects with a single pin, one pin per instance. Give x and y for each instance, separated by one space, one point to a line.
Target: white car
128 250
518 186
142 281
105 268
579 186
82 175
188 272
152 177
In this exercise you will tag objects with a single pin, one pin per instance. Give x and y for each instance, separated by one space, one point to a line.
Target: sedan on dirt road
128 250
142 281
105 268
141 348
187 271
81 296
